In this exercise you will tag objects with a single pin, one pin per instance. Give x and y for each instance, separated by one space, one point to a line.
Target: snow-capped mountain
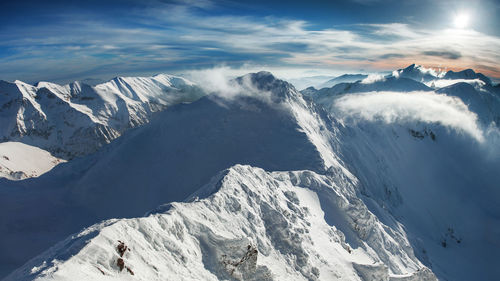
77 119
438 79
326 95
381 179
417 73
466 74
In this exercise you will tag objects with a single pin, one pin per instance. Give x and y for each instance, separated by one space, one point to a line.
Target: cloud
176 35
445 54
216 81
372 78
396 107
390 56
220 81
440 83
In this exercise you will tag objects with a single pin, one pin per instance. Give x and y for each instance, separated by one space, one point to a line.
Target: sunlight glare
461 20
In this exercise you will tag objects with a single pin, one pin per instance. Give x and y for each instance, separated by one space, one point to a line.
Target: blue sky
62 41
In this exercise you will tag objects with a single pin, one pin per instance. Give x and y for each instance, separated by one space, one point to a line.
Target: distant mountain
310 81
467 74
92 81
387 84
430 76
76 119
346 78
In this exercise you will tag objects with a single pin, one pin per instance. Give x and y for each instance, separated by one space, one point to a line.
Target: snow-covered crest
256 226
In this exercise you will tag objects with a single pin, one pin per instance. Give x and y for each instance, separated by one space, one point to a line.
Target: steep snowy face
246 224
431 160
269 125
77 119
440 184
481 99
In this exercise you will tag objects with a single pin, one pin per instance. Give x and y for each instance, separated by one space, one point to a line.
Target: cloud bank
396 107
372 78
440 83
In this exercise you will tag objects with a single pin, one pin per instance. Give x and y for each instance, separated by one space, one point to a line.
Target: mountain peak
261 79
417 73
266 82
412 66
467 74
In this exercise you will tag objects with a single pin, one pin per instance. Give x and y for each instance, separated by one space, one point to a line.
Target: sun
461 20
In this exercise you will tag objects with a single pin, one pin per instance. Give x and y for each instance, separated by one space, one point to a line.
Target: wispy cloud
428 107
178 35
444 54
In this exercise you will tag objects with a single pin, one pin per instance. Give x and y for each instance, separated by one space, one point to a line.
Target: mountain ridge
76 119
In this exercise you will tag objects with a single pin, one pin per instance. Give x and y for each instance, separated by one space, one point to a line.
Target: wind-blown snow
428 107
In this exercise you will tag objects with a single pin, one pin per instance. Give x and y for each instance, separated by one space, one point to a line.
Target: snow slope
77 119
246 224
481 99
19 161
441 185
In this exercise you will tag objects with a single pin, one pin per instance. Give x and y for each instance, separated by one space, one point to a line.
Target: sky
62 41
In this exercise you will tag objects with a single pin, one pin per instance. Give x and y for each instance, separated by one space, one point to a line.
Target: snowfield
19 161
381 178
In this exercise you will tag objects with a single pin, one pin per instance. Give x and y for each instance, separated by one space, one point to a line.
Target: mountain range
383 178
